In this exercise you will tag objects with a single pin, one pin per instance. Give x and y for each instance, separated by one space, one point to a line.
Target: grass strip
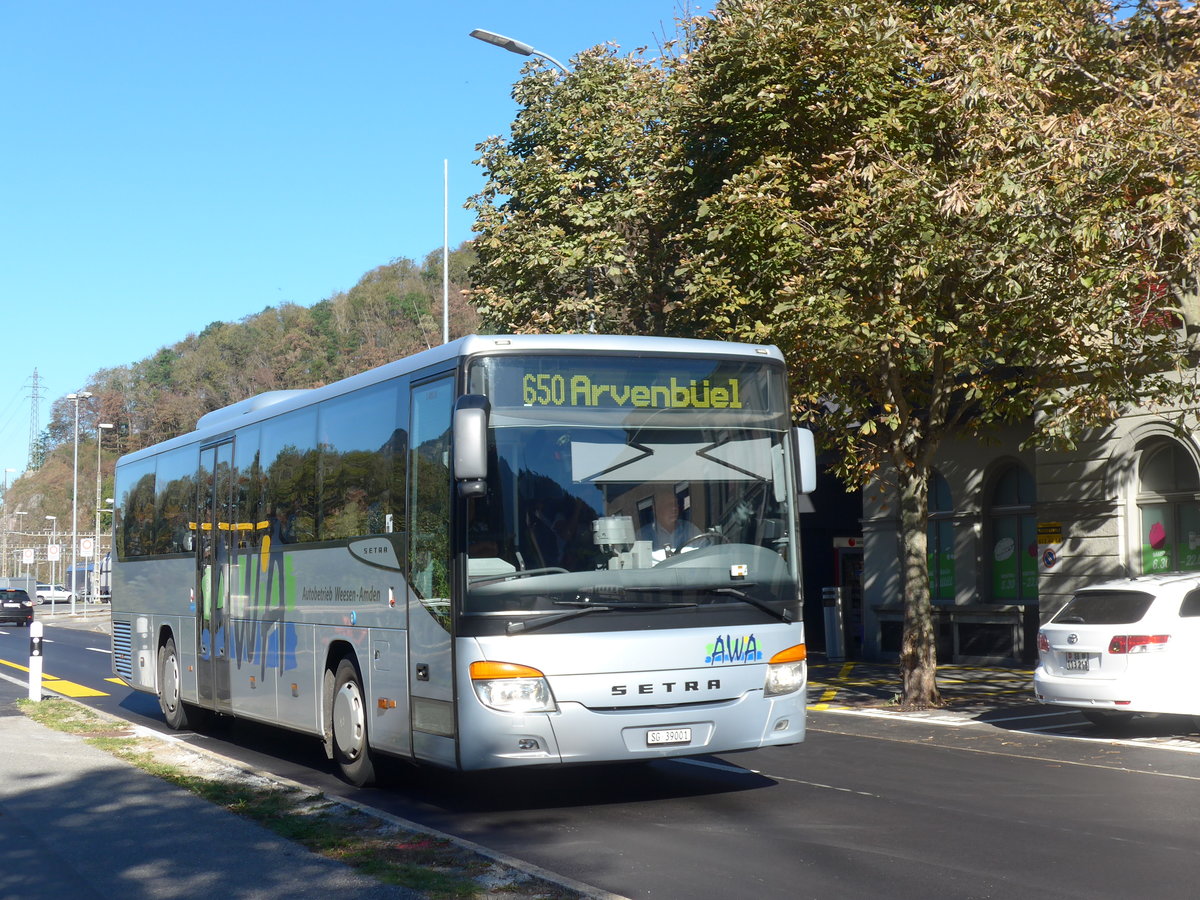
437 868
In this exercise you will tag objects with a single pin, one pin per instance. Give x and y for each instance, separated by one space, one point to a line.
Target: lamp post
76 397
102 570
53 542
100 429
512 45
21 512
4 530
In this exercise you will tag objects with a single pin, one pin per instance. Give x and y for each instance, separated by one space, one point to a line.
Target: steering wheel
702 536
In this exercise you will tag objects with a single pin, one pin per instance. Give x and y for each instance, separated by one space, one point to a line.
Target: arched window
1170 514
1014 537
941 539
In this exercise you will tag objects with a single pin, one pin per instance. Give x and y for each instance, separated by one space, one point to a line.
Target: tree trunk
918 648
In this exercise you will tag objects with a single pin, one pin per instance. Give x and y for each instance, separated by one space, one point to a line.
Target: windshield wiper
543 621
784 615
585 606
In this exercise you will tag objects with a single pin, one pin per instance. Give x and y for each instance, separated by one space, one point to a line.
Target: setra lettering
667 687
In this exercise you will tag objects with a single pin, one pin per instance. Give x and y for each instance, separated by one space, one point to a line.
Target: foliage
393 311
573 222
949 216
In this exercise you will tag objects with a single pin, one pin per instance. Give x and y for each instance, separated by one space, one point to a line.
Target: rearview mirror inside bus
470 444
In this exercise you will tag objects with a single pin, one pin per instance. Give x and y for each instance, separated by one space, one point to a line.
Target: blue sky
171 164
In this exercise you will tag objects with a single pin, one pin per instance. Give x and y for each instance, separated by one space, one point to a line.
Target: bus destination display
646 384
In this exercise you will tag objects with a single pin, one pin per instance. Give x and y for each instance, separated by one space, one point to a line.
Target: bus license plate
1078 662
669 736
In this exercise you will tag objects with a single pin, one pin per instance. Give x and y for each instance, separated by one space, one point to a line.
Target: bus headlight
785 672
511 688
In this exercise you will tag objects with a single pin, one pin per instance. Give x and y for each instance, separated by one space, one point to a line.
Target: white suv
53 593
1124 647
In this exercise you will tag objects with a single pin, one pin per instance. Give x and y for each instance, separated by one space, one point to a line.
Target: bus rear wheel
179 715
350 726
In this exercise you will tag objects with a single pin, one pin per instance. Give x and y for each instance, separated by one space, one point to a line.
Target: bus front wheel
350 726
177 713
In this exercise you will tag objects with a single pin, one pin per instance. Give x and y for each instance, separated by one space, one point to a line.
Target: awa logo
728 650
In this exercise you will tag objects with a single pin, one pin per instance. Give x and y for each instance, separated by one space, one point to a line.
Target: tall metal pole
446 251
20 523
81 395
4 530
54 541
100 429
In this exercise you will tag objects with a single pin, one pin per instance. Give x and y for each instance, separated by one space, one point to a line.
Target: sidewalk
855 684
80 823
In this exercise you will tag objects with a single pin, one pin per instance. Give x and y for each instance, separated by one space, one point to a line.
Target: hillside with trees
394 310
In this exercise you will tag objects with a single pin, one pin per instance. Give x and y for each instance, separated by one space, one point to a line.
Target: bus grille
122 645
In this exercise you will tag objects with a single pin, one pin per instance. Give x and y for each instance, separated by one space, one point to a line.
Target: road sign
87 546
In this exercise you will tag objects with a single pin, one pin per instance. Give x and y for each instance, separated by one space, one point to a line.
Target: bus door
430 657
214 557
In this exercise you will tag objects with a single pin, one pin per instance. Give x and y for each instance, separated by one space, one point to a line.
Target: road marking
931 718
742 770
99 650
59 685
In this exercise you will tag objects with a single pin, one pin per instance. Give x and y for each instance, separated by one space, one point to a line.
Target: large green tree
950 217
574 221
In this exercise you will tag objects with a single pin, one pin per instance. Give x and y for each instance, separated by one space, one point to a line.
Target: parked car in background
53 593
1124 647
16 607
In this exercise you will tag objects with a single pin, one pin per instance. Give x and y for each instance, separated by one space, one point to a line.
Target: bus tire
350 749
177 713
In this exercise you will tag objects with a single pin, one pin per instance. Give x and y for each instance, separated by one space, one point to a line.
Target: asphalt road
868 806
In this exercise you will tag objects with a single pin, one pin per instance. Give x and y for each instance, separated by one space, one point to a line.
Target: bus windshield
615 508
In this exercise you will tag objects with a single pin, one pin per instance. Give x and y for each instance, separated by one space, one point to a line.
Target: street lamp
100 429
53 542
4 530
21 512
76 397
512 45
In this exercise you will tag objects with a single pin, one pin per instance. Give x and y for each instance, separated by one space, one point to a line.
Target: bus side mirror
806 460
470 444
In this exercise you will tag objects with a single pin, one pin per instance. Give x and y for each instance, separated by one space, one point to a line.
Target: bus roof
275 402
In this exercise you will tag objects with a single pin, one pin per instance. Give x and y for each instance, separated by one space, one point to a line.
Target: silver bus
504 551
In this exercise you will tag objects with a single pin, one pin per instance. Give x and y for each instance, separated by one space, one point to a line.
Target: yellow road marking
59 685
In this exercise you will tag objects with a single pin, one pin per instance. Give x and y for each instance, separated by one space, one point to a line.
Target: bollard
35 661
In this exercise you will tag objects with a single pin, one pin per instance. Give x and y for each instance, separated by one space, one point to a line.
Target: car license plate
669 736
1078 662
12 605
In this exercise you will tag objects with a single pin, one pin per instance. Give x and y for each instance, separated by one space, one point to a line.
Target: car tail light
1043 642
1138 643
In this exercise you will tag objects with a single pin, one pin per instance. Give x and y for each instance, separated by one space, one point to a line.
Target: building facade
1013 533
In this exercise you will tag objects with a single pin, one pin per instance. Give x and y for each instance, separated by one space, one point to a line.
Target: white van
53 593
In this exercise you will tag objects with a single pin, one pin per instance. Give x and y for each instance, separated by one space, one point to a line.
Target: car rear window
10 595
1105 608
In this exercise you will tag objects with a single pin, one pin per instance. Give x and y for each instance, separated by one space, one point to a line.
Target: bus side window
429 485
